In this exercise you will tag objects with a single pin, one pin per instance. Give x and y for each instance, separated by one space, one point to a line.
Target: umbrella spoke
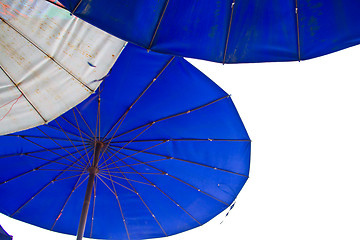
119 204
42 189
103 176
187 140
42 137
53 127
134 164
173 116
81 166
17 85
178 179
184 160
117 151
37 168
142 93
69 139
177 204
85 121
80 132
59 145
158 25
76 187
138 194
297 29
38 151
228 31
66 201
114 176
68 177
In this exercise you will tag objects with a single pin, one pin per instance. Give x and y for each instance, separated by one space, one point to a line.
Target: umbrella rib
228 31
114 176
37 168
48 56
137 193
178 179
38 151
134 164
55 161
100 174
188 161
41 137
131 154
76 160
119 204
158 25
174 115
82 157
297 29
177 204
76 187
135 101
68 177
54 152
59 170
188 139
76 7
51 161
53 127
76 126
43 188
85 122
22 92
126 143
66 201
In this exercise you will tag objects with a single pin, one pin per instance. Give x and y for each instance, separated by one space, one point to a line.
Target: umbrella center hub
93 170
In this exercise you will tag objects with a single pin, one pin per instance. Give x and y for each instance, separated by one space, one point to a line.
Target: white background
303 119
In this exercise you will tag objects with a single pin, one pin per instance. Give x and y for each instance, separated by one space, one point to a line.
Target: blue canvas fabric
229 31
176 155
4 235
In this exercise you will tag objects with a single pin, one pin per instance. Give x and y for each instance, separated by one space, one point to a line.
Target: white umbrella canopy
49 62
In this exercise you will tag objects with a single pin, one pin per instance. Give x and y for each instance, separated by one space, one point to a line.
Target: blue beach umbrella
157 150
228 31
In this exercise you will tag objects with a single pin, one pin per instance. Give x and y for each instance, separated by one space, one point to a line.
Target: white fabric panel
54 58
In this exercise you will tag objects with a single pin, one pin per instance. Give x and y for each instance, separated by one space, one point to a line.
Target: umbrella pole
93 170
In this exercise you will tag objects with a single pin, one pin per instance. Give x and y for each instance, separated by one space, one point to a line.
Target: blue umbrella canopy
228 31
4 235
163 146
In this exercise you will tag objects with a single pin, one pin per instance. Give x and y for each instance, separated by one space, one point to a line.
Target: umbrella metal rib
184 160
66 201
172 116
228 31
142 200
176 178
119 204
297 29
37 193
177 204
22 92
158 25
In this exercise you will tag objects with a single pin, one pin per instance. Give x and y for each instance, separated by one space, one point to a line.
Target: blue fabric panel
328 26
262 31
